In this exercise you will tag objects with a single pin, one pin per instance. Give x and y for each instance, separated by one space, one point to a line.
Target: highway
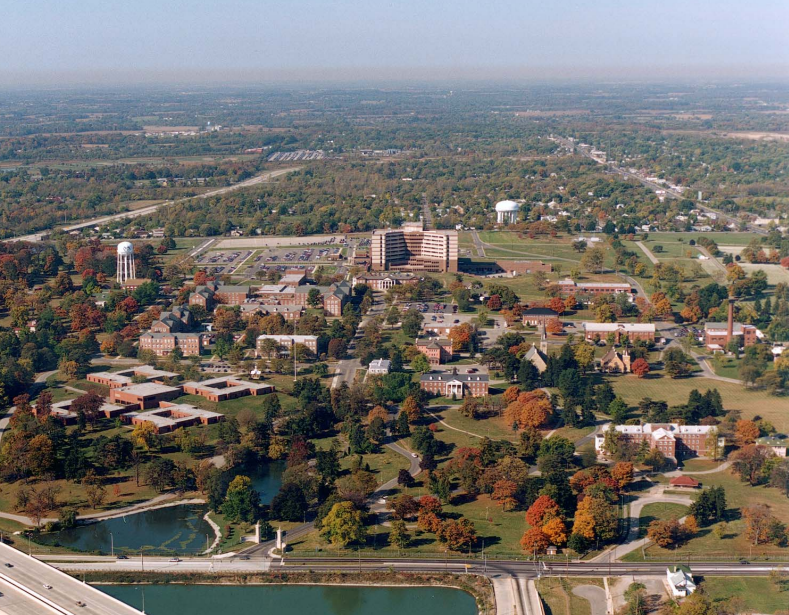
32 586
143 211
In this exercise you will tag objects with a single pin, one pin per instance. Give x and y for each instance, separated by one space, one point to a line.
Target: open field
758 594
661 511
734 542
735 397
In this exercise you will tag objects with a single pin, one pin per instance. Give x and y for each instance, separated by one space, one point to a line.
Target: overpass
29 586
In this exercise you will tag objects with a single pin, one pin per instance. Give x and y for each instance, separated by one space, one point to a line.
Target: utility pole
112 545
142 562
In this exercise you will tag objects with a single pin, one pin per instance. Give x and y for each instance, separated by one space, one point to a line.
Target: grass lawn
699 465
735 397
734 543
661 511
559 599
758 594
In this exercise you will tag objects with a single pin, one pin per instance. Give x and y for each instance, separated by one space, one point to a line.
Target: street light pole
112 545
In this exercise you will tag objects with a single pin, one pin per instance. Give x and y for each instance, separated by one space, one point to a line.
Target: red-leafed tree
640 367
543 509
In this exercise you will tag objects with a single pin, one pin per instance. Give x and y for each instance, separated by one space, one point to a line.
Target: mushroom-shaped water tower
125 269
507 212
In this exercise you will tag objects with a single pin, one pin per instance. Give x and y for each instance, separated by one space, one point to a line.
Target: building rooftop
450 377
645 327
148 388
380 364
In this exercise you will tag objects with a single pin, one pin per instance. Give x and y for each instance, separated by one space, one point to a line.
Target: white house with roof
379 366
680 582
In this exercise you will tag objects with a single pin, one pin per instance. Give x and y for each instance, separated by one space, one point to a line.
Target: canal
293 599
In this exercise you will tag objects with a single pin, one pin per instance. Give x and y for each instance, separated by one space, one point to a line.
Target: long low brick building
226 387
594 331
146 395
286 342
125 377
169 417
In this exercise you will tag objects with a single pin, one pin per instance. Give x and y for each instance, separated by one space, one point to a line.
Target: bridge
31 587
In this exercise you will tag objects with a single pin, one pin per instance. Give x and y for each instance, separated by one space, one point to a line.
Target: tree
622 473
529 443
412 322
556 531
461 336
420 364
584 355
640 367
504 492
542 510
242 502
759 523
343 525
95 494
145 435
667 533
534 541
403 506
399 535
618 410
289 504
404 478
457 534
412 409
746 432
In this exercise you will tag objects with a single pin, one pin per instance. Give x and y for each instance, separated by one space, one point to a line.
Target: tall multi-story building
412 248
673 440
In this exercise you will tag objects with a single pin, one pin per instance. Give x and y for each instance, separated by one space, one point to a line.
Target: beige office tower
412 248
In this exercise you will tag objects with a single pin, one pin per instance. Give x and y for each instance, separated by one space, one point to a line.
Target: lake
294 599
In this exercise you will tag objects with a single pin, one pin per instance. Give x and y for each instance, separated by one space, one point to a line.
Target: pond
293 599
175 529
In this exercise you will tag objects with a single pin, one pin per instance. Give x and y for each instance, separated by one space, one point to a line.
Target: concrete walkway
708 372
595 595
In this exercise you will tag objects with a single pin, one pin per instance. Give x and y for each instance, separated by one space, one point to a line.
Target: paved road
24 591
595 595
253 181
478 244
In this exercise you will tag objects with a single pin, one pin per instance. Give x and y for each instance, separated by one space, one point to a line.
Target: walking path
648 253
724 466
710 373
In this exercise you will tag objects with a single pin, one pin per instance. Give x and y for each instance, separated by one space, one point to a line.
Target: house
535 316
777 444
552 550
680 582
437 351
232 295
684 482
379 366
203 296
673 440
125 377
146 395
455 384
599 331
226 387
613 362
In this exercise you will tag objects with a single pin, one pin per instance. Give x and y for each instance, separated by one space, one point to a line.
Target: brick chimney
730 321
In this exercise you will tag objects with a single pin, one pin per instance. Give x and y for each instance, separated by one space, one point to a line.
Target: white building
680 582
379 366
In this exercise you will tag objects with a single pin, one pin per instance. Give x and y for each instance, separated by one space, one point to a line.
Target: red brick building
599 331
452 383
162 344
437 351
147 395
673 440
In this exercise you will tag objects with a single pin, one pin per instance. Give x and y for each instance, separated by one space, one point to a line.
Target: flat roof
646 327
148 388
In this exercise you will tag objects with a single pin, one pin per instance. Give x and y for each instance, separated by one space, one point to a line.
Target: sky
95 40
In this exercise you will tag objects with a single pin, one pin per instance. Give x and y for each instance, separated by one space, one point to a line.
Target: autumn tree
412 409
556 531
504 492
746 432
457 534
542 510
640 367
622 473
534 541
343 525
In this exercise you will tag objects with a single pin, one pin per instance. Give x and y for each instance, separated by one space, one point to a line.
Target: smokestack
730 321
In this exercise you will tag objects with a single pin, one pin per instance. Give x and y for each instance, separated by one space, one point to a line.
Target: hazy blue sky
358 37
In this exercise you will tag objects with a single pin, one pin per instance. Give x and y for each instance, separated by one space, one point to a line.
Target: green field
757 594
660 511
735 397
559 599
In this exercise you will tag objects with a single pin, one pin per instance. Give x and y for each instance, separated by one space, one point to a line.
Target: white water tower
507 212
126 270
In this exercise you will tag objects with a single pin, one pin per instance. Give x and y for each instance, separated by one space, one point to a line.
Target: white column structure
125 268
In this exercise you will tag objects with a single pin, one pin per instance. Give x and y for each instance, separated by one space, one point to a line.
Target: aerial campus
489 346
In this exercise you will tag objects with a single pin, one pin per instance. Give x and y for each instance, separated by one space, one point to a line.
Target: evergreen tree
528 375
604 396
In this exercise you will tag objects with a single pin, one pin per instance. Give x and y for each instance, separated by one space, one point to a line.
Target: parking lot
224 262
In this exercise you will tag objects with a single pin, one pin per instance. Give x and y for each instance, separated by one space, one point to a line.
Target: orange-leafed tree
504 493
640 367
622 473
554 326
542 510
460 336
534 540
378 412
746 432
511 394
556 531
557 305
